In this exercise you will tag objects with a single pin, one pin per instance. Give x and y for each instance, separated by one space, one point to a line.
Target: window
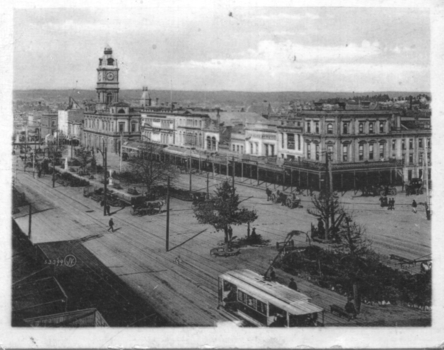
308 151
393 145
403 144
109 98
330 150
361 127
242 149
411 158
410 143
329 128
208 142
420 158
309 126
283 140
290 141
345 127
370 152
344 153
361 152
121 127
381 127
420 143
299 142
370 128
381 151
317 152
317 127
234 148
133 127
237 148
110 61
428 143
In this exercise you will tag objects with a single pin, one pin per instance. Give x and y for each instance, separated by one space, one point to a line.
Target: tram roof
288 299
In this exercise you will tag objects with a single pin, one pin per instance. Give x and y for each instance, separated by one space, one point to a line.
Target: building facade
111 122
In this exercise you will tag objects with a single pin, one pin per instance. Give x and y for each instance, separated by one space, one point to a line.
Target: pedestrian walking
393 203
293 285
111 225
272 274
108 209
414 205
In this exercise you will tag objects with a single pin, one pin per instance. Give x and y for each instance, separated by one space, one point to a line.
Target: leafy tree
222 210
151 167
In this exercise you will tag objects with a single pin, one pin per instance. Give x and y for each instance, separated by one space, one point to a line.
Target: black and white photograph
215 168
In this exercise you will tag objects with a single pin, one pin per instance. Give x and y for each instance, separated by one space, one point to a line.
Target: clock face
110 76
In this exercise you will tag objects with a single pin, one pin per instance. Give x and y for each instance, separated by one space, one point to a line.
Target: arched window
110 61
208 142
109 98
329 128
121 110
213 143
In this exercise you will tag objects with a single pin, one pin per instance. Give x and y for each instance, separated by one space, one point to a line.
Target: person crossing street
111 225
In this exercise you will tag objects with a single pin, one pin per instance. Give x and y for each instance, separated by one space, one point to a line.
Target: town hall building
112 121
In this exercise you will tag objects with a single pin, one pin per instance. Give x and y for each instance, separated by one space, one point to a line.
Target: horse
269 193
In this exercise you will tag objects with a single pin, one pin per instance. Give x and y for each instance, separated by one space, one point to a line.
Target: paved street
182 283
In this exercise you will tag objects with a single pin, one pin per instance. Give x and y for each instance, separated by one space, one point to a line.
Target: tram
262 303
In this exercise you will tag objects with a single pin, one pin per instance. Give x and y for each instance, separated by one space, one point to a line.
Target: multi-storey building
363 145
112 121
70 120
290 140
49 125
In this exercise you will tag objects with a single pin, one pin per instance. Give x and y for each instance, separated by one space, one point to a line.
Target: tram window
309 320
228 286
275 311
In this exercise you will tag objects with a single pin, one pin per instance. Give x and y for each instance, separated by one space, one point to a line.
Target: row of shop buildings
364 145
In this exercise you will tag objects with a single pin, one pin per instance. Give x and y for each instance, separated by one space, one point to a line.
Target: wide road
181 284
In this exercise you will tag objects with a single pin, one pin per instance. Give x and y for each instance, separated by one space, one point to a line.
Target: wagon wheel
273 198
289 203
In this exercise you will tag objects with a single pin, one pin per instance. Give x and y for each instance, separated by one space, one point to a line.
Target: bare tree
354 245
151 167
327 208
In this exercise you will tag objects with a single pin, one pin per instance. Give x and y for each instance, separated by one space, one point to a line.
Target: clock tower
107 80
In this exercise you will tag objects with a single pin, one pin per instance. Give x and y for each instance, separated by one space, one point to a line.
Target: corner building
111 121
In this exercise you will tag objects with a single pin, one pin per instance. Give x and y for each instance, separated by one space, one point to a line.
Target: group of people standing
387 202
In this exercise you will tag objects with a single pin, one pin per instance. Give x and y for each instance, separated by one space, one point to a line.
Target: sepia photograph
191 166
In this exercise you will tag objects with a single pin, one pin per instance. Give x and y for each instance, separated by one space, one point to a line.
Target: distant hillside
255 101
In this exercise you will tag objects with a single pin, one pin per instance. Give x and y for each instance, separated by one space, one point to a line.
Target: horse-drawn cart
290 200
147 208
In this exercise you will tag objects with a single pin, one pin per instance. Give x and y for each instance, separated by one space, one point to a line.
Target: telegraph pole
53 167
30 219
105 178
234 167
167 241
208 185
190 172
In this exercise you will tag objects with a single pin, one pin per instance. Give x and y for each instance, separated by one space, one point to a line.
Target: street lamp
191 149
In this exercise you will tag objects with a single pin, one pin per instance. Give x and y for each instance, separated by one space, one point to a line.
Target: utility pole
234 167
167 241
330 179
121 147
53 168
208 185
30 219
105 177
190 172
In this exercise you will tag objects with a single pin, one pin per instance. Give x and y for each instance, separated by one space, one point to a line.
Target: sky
220 48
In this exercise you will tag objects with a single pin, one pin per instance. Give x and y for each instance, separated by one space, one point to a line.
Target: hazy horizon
205 48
